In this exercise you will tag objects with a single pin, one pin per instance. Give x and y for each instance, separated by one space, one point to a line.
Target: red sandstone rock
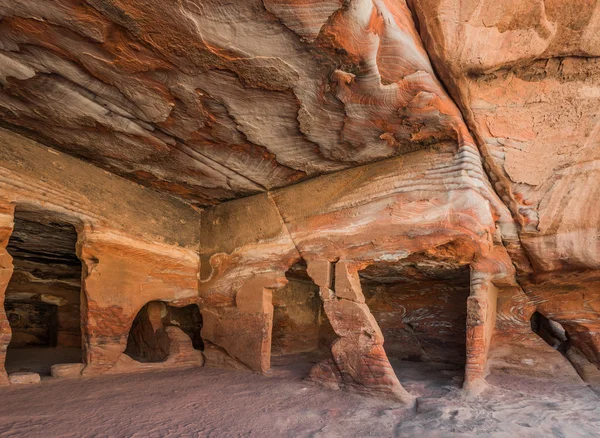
216 357
212 101
181 355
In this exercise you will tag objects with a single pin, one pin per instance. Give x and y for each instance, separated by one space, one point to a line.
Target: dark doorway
552 332
420 304
43 297
301 334
32 324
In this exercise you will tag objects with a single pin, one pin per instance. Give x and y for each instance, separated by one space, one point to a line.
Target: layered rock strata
341 224
360 163
131 250
526 78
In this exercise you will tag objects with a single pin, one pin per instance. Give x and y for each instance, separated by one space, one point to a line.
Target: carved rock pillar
359 360
6 270
481 320
244 330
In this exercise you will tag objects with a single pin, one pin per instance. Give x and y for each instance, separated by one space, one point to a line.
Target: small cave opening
552 332
302 334
420 304
43 297
148 339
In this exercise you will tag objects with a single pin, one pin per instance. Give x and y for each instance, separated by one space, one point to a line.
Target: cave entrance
420 304
43 298
552 332
301 334
556 336
149 340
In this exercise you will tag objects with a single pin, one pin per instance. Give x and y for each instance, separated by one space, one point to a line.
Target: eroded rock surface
526 76
210 100
431 165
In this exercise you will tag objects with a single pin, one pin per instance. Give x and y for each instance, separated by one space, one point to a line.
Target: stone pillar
359 361
104 328
6 270
244 331
481 320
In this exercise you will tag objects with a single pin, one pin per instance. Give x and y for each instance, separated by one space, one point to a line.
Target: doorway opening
420 304
43 298
148 339
302 334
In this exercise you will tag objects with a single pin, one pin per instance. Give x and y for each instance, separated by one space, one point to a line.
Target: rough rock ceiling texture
44 250
213 100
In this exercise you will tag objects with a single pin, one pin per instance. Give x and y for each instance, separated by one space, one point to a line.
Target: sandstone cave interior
43 297
301 331
285 218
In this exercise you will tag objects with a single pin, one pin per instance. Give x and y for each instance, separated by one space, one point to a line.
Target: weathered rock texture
43 296
438 205
341 224
210 100
148 339
131 249
421 307
526 77
454 201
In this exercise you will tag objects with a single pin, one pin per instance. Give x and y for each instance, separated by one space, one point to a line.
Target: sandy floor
217 403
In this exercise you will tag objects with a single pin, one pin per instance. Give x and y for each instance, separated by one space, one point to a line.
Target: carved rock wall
422 316
132 249
340 224
299 321
494 167
525 76
148 339
6 270
46 282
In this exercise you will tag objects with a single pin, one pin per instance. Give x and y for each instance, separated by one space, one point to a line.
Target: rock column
359 361
6 270
481 320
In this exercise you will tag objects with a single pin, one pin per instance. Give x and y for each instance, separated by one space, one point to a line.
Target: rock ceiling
212 100
460 138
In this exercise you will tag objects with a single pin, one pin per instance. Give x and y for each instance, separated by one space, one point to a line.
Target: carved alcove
43 298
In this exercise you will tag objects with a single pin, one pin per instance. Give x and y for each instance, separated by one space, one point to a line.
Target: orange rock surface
429 164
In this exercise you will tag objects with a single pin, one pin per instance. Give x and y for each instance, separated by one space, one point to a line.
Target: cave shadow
43 297
301 335
148 340
420 304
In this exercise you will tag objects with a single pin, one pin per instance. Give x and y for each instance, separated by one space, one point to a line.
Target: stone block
67 370
24 378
